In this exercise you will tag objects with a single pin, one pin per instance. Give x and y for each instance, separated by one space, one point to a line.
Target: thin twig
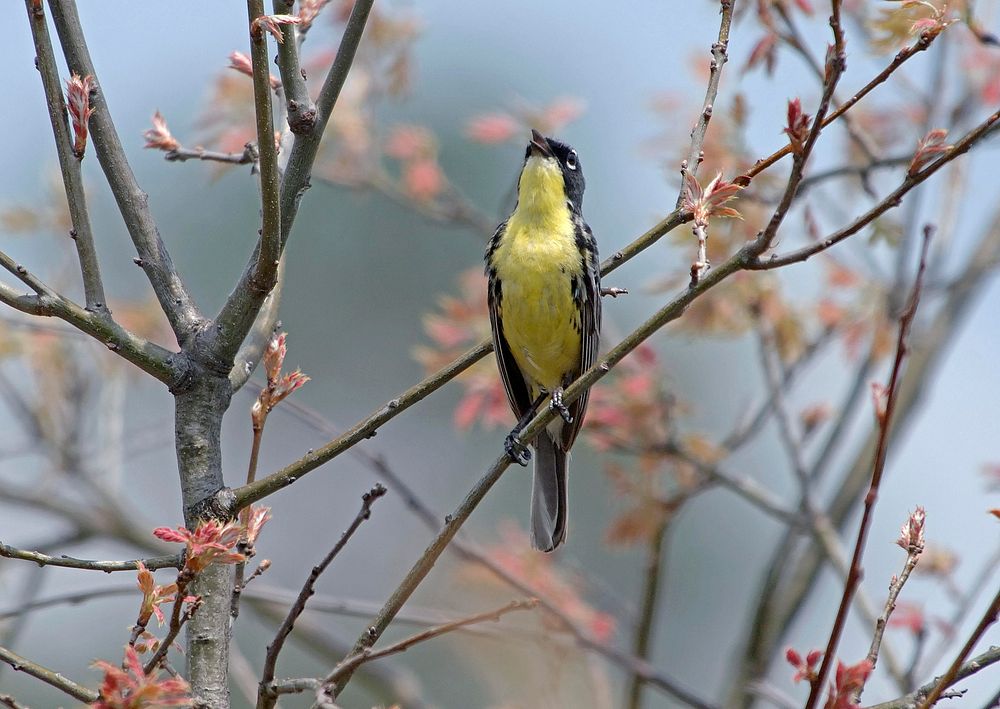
922 43
949 677
68 562
913 551
265 699
720 56
69 165
963 607
50 677
66 599
836 62
182 154
8 701
352 663
884 419
914 699
133 203
178 617
890 201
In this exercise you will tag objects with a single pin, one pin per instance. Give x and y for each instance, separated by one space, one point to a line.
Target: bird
544 297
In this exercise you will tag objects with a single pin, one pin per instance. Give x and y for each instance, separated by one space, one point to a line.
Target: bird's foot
557 404
516 450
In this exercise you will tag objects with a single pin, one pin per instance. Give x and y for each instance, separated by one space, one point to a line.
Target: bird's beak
539 145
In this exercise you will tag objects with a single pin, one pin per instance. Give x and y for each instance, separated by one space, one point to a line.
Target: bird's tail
548 494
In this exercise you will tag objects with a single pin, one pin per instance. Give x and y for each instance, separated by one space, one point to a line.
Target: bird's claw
557 404
516 450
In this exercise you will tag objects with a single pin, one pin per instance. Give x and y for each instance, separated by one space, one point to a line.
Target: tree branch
265 698
147 356
890 201
469 552
952 675
719 58
50 677
300 109
922 43
133 203
69 164
350 664
174 561
884 419
914 699
237 315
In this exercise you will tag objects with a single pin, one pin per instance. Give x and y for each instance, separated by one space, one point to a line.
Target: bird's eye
571 161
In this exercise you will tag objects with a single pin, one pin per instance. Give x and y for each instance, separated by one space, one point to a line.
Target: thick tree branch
50 677
238 314
133 203
69 164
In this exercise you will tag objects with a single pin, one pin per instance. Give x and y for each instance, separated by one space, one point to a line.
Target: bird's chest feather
539 276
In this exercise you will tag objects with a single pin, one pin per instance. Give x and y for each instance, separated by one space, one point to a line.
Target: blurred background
369 261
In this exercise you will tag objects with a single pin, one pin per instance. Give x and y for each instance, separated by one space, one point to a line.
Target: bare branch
300 109
901 57
133 203
265 271
913 552
68 562
239 312
890 201
884 420
266 699
350 664
835 65
915 699
646 622
952 675
182 154
630 664
719 58
149 357
69 165
50 677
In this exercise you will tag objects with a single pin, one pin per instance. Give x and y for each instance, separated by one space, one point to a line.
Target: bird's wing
589 302
513 380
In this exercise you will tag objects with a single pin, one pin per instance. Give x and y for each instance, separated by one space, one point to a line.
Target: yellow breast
536 262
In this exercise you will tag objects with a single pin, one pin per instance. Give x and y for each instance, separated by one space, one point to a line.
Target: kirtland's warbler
545 310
